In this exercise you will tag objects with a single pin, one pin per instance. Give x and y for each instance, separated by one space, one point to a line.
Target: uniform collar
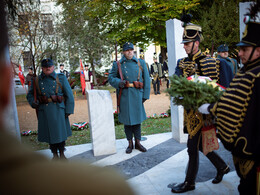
197 55
123 59
52 75
249 66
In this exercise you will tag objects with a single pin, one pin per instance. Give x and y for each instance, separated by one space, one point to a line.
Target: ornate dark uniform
205 66
156 74
238 116
166 72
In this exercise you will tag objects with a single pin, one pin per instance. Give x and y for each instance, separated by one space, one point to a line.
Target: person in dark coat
238 111
156 74
28 78
166 71
54 103
135 91
65 72
197 63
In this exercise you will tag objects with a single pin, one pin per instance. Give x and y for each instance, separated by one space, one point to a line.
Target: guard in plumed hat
223 54
156 74
199 64
238 110
130 77
54 102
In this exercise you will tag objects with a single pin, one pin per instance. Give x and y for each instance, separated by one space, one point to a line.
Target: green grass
149 126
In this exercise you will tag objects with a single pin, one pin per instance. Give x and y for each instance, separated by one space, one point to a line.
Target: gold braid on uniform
231 109
208 67
244 165
193 121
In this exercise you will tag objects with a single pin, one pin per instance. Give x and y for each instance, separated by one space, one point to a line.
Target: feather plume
185 18
254 9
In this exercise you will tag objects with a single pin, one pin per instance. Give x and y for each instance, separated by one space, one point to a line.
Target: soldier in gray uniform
54 102
135 90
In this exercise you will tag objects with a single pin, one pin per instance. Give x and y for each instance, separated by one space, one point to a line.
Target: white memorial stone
101 122
174 32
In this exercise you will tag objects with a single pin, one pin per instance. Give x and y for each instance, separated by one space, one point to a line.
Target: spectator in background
63 71
28 78
88 78
156 74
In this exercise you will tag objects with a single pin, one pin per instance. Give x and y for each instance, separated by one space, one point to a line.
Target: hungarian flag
20 74
82 78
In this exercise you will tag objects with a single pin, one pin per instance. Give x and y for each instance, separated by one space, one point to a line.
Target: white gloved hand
204 109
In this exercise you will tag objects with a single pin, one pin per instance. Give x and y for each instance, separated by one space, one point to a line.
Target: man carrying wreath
199 64
237 111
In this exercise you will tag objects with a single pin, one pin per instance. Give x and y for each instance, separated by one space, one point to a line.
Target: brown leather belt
127 84
136 84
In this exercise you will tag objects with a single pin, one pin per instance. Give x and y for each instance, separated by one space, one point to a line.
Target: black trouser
58 146
194 146
247 183
156 84
167 83
131 130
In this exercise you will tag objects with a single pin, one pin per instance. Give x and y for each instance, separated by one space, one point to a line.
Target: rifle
212 49
34 84
121 76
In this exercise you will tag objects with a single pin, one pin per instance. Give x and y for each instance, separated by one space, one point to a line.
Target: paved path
164 163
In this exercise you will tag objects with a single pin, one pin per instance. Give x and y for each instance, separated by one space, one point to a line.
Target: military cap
47 62
222 48
192 32
142 55
128 46
155 56
252 30
251 35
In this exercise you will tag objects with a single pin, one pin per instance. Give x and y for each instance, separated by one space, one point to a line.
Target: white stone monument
101 120
175 49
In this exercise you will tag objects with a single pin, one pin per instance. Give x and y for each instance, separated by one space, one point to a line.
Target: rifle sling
120 90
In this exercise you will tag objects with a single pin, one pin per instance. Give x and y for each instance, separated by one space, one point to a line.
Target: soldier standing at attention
223 54
197 63
156 74
238 110
135 90
54 103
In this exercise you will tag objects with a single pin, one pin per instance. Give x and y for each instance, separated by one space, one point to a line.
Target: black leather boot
139 146
192 170
220 175
221 166
54 151
183 187
61 148
130 147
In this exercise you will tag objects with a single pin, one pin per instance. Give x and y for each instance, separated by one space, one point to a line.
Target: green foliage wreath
192 94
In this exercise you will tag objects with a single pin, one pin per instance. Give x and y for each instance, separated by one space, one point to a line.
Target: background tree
220 24
84 37
139 21
31 36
